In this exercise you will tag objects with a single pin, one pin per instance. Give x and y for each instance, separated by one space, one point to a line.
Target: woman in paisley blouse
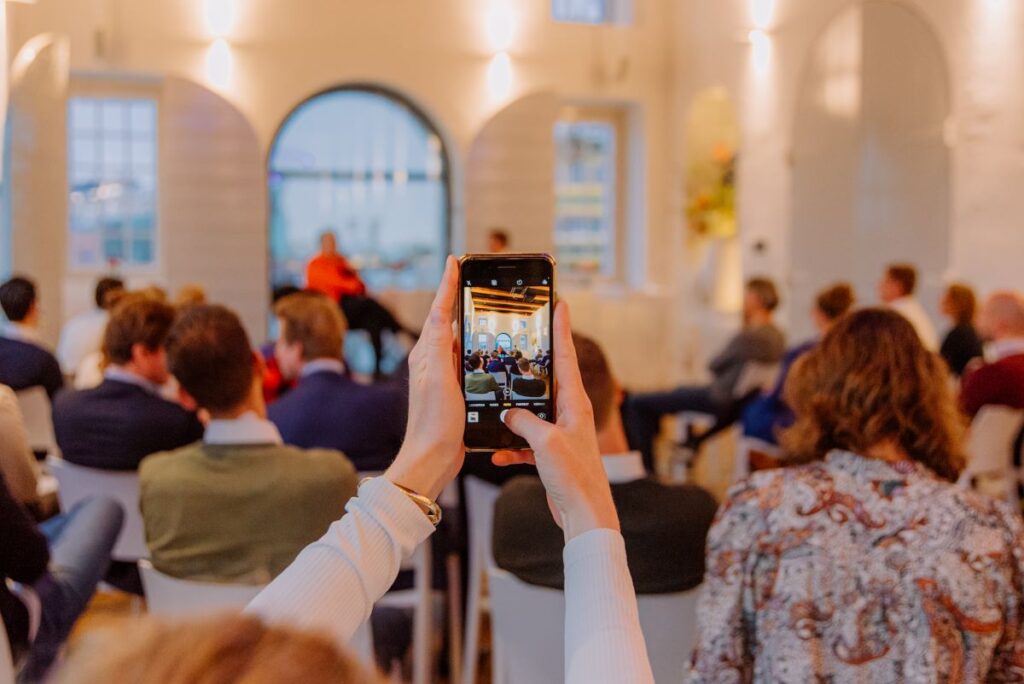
864 563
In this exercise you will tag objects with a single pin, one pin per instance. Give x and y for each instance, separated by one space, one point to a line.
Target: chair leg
454 618
421 641
471 644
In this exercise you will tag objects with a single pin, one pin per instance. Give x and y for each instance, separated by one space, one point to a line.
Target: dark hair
106 288
835 301
475 361
17 296
905 275
500 235
871 381
597 378
209 353
764 289
136 319
282 291
962 302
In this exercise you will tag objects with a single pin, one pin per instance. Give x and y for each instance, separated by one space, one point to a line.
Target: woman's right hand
566 453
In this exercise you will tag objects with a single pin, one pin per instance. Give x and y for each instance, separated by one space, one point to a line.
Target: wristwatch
429 507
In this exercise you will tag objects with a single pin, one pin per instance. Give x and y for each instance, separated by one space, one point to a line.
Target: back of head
313 320
905 275
475 362
765 291
524 365
136 319
229 649
962 303
869 383
107 291
208 351
1003 315
598 382
499 236
190 295
17 296
835 301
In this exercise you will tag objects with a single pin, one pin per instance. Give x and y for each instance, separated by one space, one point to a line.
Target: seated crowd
858 560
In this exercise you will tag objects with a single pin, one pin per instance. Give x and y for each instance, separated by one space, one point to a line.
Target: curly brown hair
870 382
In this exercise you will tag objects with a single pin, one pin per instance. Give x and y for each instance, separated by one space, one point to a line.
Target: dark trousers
366 313
642 414
80 544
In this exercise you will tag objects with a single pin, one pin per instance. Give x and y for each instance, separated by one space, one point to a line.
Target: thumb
526 425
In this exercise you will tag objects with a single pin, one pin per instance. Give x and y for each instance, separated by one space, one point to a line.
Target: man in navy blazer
24 362
123 420
327 408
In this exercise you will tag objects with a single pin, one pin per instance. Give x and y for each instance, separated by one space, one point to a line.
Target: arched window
504 340
370 167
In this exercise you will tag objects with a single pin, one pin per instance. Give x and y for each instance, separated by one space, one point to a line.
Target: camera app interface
507 346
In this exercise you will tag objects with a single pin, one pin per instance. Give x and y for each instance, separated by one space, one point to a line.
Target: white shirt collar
20 332
481 371
623 468
247 428
321 366
122 374
1000 349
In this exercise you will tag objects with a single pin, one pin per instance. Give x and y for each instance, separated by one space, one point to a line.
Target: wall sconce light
219 63
220 17
499 76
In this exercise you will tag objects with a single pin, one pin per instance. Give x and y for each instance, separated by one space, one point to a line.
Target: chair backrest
529 623
991 438
501 378
484 396
75 483
755 377
480 498
6 660
37 413
172 597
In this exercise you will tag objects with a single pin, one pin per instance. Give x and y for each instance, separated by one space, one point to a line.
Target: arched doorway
870 163
364 162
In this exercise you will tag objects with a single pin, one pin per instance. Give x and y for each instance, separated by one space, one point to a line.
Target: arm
53 378
977 388
332 585
24 553
17 464
723 652
734 352
603 640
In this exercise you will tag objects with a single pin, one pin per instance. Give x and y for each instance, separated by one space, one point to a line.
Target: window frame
84 85
445 175
617 13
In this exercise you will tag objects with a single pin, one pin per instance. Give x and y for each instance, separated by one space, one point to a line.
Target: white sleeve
603 641
333 583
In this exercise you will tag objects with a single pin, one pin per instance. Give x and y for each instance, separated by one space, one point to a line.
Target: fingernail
503 415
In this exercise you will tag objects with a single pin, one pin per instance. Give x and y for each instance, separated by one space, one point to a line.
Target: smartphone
505 313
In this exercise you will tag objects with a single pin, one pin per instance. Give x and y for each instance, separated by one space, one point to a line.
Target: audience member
758 341
896 290
524 384
664 526
999 380
327 408
238 506
866 563
118 423
83 334
479 381
274 383
766 415
61 561
190 295
497 241
495 365
18 464
962 343
24 362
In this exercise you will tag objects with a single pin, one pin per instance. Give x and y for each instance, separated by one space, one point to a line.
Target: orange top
333 276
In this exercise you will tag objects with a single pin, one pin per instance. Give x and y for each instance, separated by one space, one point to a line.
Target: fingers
509 458
527 425
438 329
567 368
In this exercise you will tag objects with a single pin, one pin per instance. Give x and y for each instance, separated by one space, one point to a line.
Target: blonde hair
226 649
315 321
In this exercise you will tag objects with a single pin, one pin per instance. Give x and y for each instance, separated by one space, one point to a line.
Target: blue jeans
80 544
642 414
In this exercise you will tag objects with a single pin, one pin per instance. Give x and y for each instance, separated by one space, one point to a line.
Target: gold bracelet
430 508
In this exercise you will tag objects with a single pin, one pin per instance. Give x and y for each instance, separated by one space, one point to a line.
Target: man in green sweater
239 505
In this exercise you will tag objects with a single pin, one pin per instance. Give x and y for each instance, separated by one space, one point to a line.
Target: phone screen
506 313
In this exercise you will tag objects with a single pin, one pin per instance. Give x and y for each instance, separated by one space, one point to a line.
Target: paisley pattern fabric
856 570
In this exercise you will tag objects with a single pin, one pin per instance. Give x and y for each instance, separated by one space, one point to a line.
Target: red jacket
333 276
1000 383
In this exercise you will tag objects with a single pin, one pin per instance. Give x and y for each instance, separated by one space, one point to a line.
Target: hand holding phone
505 316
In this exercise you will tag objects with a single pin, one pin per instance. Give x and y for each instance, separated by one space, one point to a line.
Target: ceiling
523 301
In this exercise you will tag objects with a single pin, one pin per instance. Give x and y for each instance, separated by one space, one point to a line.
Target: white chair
529 622
756 376
480 499
420 600
501 378
484 396
75 483
990 452
37 413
